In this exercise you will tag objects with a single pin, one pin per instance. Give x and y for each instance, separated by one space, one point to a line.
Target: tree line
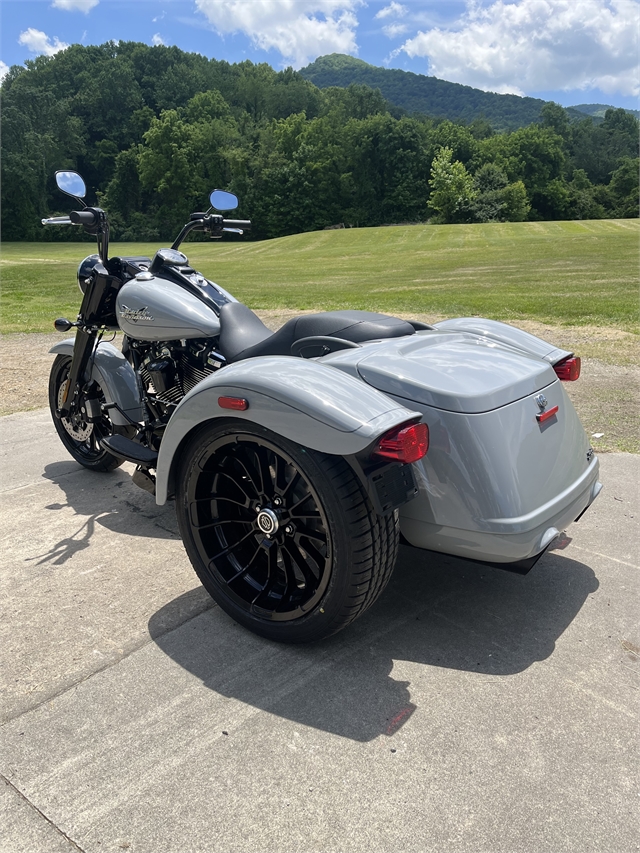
154 129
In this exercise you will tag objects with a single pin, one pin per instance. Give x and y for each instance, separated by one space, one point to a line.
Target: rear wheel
80 437
282 537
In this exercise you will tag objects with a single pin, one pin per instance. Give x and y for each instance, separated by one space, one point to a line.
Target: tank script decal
135 315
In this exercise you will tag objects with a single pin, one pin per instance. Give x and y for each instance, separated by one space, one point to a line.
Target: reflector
406 444
544 416
239 404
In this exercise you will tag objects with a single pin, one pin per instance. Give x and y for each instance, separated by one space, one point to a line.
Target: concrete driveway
469 710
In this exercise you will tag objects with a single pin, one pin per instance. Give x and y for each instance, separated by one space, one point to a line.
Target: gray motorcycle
298 459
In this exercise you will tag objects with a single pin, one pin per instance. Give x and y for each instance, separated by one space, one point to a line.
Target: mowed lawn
573 273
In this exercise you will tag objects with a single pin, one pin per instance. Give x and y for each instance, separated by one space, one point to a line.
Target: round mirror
222 200
71 183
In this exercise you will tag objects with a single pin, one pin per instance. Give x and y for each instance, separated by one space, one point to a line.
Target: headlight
85 271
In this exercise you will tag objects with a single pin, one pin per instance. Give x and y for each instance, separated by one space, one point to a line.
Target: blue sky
569 51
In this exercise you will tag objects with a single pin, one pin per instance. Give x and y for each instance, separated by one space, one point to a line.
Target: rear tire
80 438
282 537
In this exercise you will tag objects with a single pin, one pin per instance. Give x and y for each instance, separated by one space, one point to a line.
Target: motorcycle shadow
438 612
110 500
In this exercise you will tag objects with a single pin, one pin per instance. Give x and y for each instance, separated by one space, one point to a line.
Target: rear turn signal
405 444
569 369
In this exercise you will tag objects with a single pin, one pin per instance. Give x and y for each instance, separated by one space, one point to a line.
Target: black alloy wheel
282 537
80 437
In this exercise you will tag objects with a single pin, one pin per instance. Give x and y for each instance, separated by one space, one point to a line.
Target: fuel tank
151 308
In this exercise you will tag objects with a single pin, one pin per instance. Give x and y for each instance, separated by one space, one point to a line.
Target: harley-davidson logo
135 314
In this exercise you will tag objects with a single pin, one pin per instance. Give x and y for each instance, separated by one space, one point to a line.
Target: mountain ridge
420 93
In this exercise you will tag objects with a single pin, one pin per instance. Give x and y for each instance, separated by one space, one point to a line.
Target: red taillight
238 404
569 369
406 444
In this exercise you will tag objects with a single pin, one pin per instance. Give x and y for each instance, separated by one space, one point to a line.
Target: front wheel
282 537
80 437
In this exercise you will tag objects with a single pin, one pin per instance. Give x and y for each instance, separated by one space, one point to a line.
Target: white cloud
38 42
75 5
392 31
4 70
300 30
537 45
396 10
157 39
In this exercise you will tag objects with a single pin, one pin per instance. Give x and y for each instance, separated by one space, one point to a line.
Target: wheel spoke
272 576
313 553
294 552
250 476
268 481
232 547
299 503
280 478
317 535
298 515
292 484
219 522
246 568
239 483
219 499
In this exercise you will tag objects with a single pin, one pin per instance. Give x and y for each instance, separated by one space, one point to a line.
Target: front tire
282 537
81 439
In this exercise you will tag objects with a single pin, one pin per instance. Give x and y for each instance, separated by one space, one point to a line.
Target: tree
452 190
624 188
497 200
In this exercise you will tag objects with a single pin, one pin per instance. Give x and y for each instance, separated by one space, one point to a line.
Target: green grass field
572 273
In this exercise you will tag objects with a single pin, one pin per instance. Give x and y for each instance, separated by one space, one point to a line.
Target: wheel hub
267 522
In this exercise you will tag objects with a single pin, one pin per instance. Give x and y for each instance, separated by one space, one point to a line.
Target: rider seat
244 335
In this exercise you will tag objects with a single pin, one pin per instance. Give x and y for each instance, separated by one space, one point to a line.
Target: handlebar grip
237 223
83 217
57 220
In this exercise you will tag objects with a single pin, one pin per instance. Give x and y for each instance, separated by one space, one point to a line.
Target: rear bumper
505 540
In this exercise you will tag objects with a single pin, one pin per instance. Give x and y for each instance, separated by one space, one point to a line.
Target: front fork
82 351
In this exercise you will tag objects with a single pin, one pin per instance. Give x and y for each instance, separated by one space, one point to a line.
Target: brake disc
78 429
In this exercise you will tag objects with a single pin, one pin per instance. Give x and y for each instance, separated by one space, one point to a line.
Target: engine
169 371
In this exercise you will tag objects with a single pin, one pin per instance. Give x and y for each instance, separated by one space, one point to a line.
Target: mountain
598 110
417 93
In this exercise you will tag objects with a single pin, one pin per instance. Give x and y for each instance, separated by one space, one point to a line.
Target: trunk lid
454 371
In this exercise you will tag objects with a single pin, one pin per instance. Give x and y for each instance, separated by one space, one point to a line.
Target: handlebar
236 223
76 217
83 217
57 220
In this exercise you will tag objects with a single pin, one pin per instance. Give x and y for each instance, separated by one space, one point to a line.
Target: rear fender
494 330
316 406
111 370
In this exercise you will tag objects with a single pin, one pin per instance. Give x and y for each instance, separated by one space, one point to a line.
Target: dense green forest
154 129
599 110
417 93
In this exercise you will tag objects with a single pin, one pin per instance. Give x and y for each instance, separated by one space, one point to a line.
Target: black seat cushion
244 335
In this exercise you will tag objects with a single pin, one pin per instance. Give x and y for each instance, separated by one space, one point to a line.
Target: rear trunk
497 484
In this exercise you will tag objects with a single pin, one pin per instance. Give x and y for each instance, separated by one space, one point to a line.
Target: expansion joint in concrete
41 813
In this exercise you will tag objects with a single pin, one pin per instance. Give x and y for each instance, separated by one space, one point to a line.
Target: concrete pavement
469 710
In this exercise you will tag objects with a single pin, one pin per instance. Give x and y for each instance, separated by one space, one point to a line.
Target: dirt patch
606 396
25 363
